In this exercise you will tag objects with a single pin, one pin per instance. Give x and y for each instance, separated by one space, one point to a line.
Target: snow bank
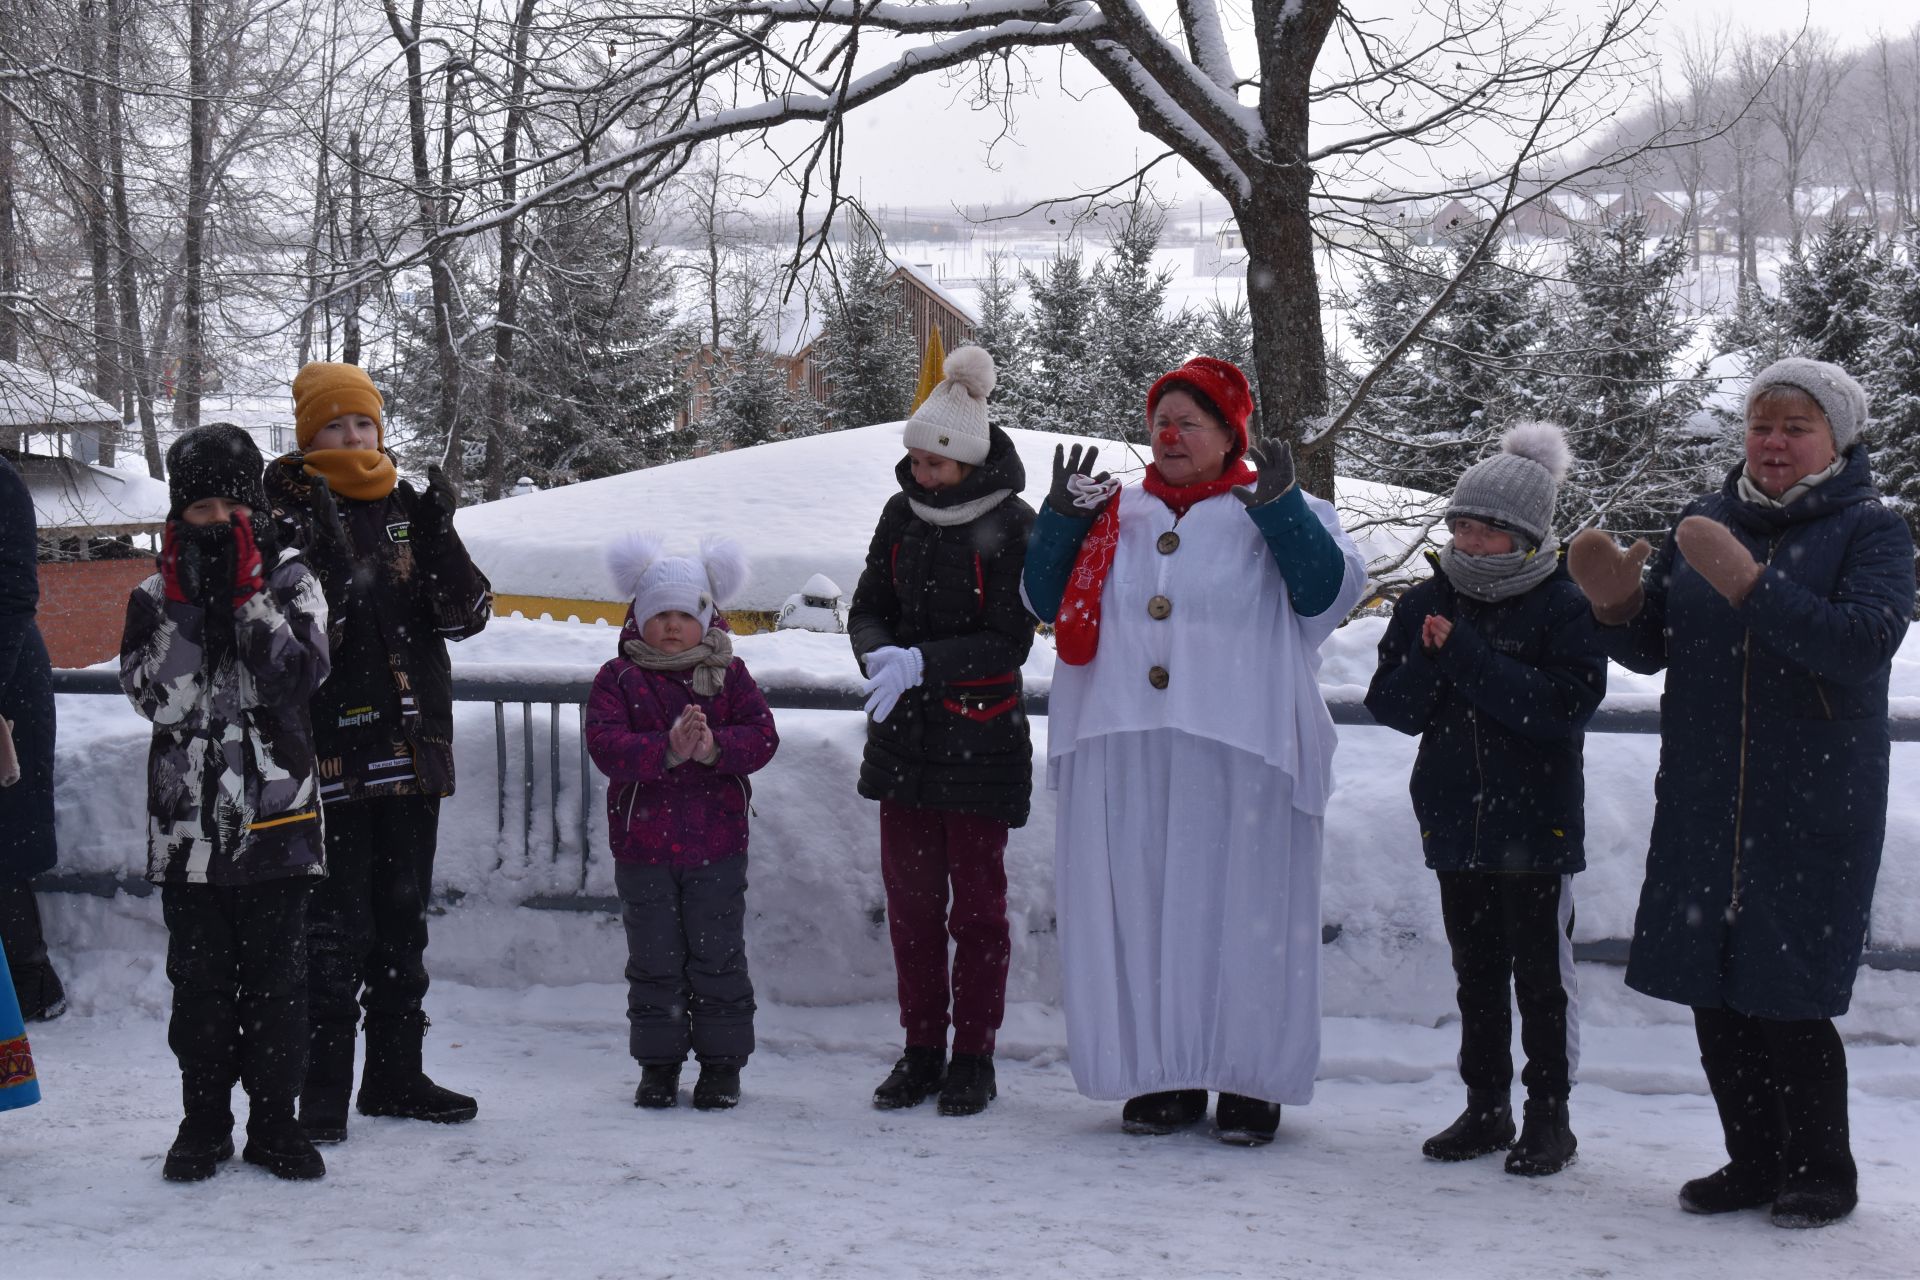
817 931
799 507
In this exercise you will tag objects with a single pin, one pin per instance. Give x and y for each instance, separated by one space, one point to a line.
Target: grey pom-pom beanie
1842 399
1516 488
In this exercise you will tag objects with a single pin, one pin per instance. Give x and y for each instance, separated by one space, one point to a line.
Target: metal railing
1623 714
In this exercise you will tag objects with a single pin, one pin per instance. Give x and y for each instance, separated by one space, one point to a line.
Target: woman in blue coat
1775 607
26 806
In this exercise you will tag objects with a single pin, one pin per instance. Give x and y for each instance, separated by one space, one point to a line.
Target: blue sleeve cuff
1052 548
1309 559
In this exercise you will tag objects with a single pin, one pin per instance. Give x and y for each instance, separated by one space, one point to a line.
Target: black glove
433 516
1062 498
329 533
1275 464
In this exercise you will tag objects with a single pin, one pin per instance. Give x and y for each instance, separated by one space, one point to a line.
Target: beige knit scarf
709 659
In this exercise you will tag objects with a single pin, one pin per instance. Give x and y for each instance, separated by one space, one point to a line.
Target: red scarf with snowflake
1076 630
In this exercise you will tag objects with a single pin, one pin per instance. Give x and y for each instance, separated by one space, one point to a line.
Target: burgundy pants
921 852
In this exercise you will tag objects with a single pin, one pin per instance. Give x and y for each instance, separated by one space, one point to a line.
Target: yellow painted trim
281 822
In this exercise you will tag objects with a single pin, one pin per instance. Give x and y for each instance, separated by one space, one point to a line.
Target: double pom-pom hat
659 583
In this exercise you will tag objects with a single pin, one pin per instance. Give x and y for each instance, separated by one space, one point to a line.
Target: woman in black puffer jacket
939 628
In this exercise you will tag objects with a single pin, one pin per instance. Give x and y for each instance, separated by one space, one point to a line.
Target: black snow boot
1240 1121
1754 1130
717 1089
1546 1142
659 1086
970 1085
1486 1126
1822 1183
916 1077
281 1147
1158 1114
35 984
393 1083
197 1150
329 1083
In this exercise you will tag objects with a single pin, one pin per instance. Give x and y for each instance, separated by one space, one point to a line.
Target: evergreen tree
1755 331
1632 414
1062 386
750 403
866 350
1133 339
1826 298
1892 369
1003 332
1226 333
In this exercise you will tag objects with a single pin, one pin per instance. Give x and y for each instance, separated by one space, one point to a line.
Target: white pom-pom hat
1517 487
952 421
659 583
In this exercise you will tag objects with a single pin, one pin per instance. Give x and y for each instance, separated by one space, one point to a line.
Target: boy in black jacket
399 585
1493 663
223 647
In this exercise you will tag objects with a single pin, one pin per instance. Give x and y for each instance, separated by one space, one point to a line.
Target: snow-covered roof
34 401
74 497
798 507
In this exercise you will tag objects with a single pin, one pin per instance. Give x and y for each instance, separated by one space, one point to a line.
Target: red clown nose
1169 437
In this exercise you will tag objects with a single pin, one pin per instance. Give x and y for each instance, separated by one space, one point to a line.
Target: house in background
98 526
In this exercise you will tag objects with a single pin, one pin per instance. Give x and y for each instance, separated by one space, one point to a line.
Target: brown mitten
9 762
1608 576
1722 560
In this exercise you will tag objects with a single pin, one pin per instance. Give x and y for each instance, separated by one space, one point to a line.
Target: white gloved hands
891 671
1089 493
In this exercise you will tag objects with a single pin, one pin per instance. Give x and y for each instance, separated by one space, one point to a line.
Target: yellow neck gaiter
365 475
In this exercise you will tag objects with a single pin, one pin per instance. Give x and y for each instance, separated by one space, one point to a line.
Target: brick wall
83 605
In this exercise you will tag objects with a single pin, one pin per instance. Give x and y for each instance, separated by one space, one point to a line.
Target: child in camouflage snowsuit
222 649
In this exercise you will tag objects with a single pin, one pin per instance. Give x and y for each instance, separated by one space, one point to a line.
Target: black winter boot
970 1085
1546 1142
35 984
659 1086
1754 1132
1158 1114
717 1089
1241 1121
197 1150
281 1147
916 1077
393 1083
329 1083
1822 1182
1486 1126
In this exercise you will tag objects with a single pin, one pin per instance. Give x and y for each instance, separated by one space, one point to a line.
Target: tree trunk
356 250
1283 290
106 367
189 383
10 273
506 314
126 283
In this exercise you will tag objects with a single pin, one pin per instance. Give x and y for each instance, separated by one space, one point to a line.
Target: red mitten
176 577
249 574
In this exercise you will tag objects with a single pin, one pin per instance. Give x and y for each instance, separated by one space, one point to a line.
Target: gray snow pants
687 984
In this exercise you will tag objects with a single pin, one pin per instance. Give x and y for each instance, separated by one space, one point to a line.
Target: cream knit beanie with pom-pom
952 421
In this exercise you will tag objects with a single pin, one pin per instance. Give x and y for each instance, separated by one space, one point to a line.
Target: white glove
891 672
1089 492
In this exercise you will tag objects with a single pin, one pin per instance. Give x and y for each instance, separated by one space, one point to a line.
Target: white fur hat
952 420
659 583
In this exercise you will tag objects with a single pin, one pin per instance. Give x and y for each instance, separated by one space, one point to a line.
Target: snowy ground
561 1176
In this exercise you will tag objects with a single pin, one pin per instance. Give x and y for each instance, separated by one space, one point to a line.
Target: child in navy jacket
1494 664
677 723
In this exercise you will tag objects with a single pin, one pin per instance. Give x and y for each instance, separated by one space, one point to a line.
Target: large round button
1159 607
1167 543
1157 677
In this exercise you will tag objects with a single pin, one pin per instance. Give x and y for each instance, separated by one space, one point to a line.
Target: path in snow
562 1177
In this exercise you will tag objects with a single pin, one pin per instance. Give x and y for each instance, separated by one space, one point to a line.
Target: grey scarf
709 659
1501 577
962 512
1751 492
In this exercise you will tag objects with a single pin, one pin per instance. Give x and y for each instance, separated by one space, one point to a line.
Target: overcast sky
925 146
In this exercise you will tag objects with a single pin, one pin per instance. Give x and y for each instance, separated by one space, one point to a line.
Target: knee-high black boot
1822 1183
329 1083
393 1083
38 987
1755 1133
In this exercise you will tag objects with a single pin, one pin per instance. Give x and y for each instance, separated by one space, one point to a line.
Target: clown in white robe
1193 758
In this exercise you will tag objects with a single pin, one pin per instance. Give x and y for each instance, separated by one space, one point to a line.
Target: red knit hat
1220 382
